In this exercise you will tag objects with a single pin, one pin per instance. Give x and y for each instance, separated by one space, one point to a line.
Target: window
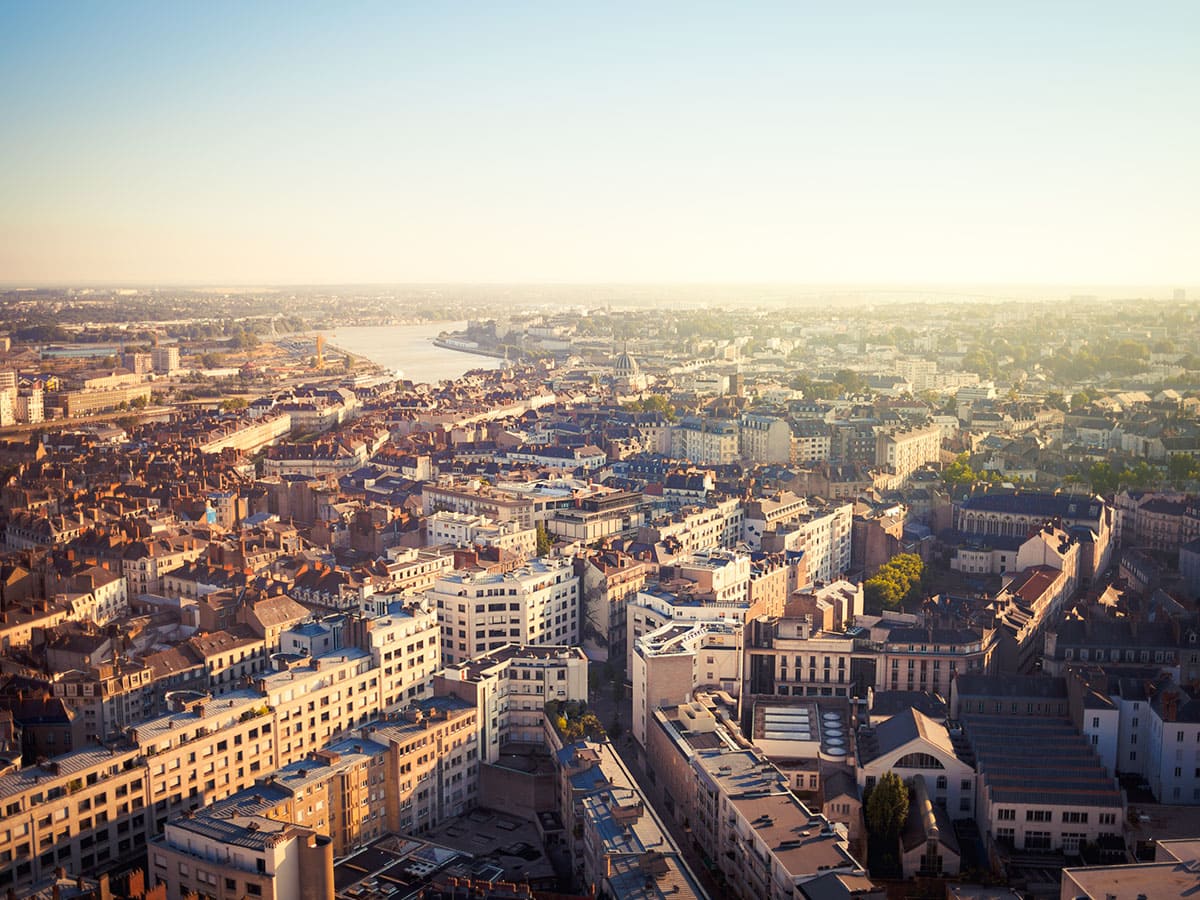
1037 840
919 761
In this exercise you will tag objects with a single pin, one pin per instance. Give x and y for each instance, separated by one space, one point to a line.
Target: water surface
409 349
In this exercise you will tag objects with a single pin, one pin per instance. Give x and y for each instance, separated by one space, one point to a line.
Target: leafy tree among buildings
887 806
896 583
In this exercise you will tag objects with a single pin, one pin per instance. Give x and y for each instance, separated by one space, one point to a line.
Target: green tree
1080 400
897 582
1182 468
658 403
590 725
880 594
887 806
1143 475
959 473
980 361
851 381
545 542
813 390
1102 477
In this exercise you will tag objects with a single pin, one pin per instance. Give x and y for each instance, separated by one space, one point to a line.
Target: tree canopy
896 582
1106 479
887 806
654 403
959 473
545 541
1181 469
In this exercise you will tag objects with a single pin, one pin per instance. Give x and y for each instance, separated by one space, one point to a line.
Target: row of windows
1030 708
1098 655
812 662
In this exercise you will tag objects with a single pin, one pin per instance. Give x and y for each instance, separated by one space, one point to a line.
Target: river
409 350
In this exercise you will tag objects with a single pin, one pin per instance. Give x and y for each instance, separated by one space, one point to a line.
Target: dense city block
770 598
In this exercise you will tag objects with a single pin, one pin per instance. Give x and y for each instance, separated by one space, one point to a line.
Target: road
601 702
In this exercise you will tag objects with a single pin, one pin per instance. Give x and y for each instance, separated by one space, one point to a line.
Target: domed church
627 374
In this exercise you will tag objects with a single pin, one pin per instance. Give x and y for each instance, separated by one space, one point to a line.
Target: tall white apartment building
822 532
405 645
706 441
413 569
465 530
510 688
31 406
165 359
766 512
902 451
719 575
917 371
826 541
480 611
675 659
698 528
657 606
811 442
766 439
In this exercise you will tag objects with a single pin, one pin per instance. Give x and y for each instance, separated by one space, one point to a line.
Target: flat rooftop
392 866
787 828
474 669
1160 881
507 847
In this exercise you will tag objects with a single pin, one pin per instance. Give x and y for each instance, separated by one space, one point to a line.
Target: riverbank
477 351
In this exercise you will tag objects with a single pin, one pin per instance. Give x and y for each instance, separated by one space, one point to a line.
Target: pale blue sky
800 142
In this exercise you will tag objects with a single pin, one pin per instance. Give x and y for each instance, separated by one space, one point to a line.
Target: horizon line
75 284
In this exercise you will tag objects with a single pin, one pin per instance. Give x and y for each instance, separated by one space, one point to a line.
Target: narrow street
601 702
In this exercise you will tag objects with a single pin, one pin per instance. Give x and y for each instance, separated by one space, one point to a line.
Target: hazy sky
568 141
